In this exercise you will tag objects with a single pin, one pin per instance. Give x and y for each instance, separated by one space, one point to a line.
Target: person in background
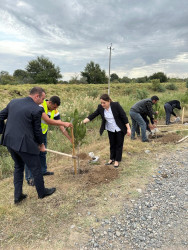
50 116
115 121
169 109
148 125
24 140
139 110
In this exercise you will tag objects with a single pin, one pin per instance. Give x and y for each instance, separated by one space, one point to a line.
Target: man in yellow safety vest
50 116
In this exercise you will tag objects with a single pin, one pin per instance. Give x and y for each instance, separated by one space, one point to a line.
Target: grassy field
97 192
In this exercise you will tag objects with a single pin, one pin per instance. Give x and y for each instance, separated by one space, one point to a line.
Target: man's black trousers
33 163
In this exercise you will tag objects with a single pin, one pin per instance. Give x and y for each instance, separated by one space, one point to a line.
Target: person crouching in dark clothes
147 125
137 110
115 121
169 109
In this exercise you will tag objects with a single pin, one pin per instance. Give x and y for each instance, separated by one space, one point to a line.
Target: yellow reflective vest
44 125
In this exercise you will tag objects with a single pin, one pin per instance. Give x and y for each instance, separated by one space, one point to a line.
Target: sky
147 36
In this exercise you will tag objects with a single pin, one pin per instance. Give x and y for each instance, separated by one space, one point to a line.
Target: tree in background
94 74
42 70
125 79
160 75
20 73
6 78
114 77
22 76
142 79
74 79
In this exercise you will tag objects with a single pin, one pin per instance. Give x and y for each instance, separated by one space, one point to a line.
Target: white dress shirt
110 121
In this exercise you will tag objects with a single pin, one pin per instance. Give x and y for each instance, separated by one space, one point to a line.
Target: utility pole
110 48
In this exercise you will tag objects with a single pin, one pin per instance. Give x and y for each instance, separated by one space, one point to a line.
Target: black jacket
175 104
23 130
118 113
2 125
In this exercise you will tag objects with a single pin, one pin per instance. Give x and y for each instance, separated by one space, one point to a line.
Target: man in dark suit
23 138
2 124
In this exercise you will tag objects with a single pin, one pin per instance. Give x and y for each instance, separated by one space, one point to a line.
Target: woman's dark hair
55 100
105 97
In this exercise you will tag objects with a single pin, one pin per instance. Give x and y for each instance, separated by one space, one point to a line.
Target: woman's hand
128 131
86 120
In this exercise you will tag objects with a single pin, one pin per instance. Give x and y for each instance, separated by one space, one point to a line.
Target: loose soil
94 174
167 138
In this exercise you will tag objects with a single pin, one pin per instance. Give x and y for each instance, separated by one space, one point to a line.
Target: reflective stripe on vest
44 126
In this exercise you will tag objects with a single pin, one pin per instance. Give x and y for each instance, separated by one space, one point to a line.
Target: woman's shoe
116 165
110 162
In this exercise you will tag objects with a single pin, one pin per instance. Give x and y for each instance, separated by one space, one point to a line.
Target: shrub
141 94
184 98
156 86
171 86
79 128
128 91
157 107
186 84
93 93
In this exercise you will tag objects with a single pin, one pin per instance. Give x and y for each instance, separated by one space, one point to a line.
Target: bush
160 109
184 98
79 128
128 91
141 94
93 93
171 86
186 84
156 86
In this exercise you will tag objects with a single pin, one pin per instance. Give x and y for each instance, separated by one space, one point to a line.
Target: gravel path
158 218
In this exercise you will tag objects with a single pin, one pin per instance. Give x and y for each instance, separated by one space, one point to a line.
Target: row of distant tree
42 70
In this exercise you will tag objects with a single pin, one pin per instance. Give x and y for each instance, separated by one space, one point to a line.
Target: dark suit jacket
118 113
2 125
23 127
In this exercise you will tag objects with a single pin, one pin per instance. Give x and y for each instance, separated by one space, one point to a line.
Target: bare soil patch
168 138
91 175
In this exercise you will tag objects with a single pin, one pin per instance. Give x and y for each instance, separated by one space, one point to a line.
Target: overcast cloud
147 35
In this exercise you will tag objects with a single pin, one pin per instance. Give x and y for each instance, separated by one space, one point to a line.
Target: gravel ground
158 218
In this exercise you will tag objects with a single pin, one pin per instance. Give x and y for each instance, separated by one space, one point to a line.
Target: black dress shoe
116 166
109 163
48 173
21 198
48 191
30 182
146 140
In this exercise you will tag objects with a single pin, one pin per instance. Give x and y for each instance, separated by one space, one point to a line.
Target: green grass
85 98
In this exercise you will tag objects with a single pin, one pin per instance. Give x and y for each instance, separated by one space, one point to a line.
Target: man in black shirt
169 107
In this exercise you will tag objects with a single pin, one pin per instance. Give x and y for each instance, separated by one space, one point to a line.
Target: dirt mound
168 138
91 175
83 156
101 174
